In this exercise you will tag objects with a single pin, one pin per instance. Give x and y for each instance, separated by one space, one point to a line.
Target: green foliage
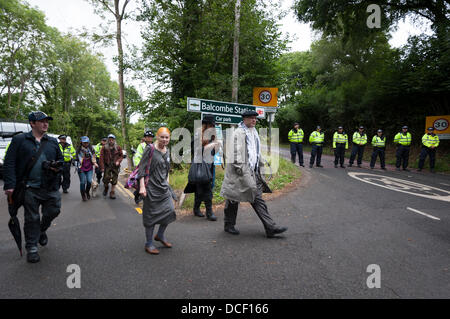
188 51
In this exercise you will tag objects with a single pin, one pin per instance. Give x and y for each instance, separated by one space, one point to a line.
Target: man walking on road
429 143
68 153
316 139
403 139
295 137
340 144
379 148
148 139
243 181
359 142
97 149
111 156
35 159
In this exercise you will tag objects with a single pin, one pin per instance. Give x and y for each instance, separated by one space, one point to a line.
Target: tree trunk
235 78
123 115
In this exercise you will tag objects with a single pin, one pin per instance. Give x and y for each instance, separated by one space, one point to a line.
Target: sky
73 15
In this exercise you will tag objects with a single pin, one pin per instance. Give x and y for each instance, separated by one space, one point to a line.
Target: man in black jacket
42 179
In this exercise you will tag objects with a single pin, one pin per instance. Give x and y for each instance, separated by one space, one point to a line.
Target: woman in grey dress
158 195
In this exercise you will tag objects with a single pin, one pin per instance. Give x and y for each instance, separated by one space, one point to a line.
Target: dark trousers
98 171
378 152
402 156
339 153
316 151
203 193
357 149
65 176
297 148
259 205
423 155
51 206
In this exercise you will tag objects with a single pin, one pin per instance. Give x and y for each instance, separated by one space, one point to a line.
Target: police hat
318 127
361 127
405 127
249 113
430 128
209 119
111 136
340 127
296 123
380 131
84 139
104 138
62 137
149 133
38 116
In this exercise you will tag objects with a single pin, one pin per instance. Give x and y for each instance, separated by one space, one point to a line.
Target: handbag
200 173
133 181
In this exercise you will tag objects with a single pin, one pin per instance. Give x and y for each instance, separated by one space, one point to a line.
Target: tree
118 10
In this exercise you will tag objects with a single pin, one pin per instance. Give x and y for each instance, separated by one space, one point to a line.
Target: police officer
379 148
359 142
42 179
340 144
295 137
148 139
403 139
68 153
97 149
429 143
316 139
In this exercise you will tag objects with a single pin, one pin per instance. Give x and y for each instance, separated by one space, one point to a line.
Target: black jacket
20 151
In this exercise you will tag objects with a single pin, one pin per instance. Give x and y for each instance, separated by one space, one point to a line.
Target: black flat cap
249 113
38 116
149 133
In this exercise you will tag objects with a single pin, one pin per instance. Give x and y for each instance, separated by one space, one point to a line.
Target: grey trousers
260 207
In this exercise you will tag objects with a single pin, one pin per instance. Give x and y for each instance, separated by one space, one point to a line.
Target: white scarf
253 144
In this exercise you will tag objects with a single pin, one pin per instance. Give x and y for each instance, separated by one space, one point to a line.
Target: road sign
265 96
261 111
217 107
225 119
440 124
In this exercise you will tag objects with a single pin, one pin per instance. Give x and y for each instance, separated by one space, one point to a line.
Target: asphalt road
339 224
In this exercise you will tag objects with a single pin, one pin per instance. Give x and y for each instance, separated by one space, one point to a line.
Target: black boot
88 196
197 204
209 212
83 196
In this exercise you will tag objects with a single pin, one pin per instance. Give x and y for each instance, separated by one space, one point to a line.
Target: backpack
133 181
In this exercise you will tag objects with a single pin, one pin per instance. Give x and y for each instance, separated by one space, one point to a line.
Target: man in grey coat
243 181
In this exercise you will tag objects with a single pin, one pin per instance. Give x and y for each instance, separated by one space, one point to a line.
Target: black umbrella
13 224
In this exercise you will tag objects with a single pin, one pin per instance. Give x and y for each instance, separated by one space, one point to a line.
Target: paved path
339 224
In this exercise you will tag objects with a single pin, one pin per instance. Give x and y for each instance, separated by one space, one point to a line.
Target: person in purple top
86 162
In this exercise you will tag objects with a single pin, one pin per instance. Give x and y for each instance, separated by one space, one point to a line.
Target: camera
52 165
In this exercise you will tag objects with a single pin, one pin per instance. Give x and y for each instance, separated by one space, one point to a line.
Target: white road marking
422 213
401 185
444 184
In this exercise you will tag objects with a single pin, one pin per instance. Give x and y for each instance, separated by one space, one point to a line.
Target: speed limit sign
440 124
265 96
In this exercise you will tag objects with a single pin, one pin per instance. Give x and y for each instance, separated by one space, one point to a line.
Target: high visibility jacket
296 137
379 141
6 149
316 137
97 149
139 152
429 140
68 152
359 139
403 139
340 138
